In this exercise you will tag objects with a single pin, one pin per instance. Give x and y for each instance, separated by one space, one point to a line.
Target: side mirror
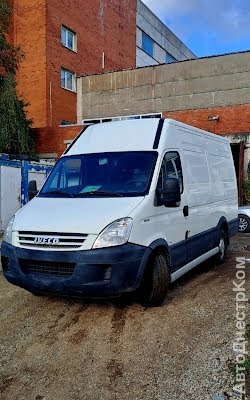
170 195
32 189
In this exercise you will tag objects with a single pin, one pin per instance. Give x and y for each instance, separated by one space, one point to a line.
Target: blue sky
207 27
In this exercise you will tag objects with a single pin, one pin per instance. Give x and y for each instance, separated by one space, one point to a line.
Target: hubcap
243 224
222 247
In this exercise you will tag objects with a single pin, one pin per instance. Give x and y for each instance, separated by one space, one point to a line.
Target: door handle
185 211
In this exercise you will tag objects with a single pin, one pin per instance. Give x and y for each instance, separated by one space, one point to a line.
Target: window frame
74 42
169 55
144 35
67 71
174 165
90 195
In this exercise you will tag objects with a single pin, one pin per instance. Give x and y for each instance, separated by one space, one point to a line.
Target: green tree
246 187
15 128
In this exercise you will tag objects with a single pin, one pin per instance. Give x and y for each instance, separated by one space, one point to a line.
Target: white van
130 205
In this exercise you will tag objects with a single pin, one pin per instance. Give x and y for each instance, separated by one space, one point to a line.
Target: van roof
126 135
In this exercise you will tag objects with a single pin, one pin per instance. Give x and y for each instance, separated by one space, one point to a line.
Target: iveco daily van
130 205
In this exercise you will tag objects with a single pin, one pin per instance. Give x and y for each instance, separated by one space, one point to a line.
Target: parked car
130 205
244 219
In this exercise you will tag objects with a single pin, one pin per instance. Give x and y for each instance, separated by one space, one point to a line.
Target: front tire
244 223
156 281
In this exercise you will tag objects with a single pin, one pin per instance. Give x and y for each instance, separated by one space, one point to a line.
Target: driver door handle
186 211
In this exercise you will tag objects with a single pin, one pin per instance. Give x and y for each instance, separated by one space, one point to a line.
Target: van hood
88 215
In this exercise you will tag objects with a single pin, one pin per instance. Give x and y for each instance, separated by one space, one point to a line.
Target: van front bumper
103 272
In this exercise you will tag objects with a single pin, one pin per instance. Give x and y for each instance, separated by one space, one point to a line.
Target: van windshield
117 174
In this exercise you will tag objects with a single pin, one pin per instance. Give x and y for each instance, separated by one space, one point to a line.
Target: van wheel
156 281
223 240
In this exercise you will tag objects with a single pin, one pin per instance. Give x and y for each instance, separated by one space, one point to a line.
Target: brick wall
232 119
101 26
51 140
29 31
107 26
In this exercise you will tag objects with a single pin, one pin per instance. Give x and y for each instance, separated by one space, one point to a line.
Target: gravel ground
64 349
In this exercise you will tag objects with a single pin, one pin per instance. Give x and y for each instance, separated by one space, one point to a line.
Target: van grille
46 267
51 240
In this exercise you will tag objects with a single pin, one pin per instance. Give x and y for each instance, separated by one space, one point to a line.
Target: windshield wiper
104 193
100 193
60 192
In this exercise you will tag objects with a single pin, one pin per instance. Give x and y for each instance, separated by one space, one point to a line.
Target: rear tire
156 281
222 244
244 223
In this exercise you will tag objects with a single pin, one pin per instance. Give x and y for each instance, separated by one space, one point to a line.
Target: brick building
65 38
210 93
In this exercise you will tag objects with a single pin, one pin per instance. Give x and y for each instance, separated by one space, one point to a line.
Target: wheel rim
222 247
243 224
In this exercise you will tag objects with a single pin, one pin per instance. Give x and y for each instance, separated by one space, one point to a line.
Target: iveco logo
46 240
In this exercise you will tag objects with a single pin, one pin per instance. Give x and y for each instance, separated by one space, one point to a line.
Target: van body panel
117 136
86 215
189 231
94 273
233 227
152 223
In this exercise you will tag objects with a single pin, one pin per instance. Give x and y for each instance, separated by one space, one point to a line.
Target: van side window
171 168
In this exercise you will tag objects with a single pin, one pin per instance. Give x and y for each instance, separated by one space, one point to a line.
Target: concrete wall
190 92
197 84
165 40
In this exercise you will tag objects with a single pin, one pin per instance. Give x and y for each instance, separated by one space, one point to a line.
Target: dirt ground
67 349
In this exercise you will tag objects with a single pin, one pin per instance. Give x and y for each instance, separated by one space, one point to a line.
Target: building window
169 58
120 118
68 80
147 44
68 38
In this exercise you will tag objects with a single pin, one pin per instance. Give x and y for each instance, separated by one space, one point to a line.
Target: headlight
115 234
7 237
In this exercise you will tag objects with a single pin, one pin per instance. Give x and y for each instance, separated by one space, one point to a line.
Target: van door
173 220
200 238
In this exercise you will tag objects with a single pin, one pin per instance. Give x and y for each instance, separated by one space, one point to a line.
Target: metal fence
15 175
